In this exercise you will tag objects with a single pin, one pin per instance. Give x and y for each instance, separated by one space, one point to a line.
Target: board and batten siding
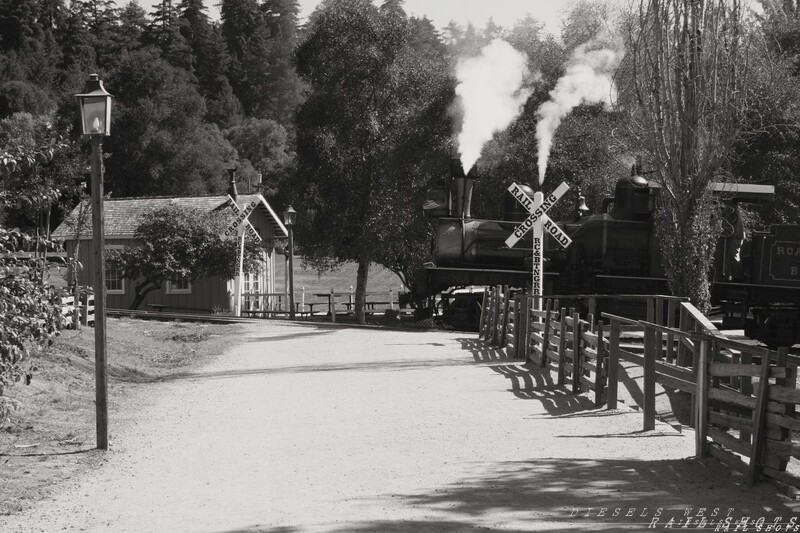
207 295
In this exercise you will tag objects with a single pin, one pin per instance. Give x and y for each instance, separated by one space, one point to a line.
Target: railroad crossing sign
248 227
241 217
539 222
536 213
238 227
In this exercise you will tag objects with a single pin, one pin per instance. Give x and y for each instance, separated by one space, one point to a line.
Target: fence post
518 312
391 300
759 423
670 323
528 345
546 332
649 385
701 399
332 306
577 356
683 325
482 321
790 381
504 317
613 363
599 366
562 346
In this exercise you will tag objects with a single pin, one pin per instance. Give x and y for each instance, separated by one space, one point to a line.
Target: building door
251 292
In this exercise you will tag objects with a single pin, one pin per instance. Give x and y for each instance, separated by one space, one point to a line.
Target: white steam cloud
491 95
587 80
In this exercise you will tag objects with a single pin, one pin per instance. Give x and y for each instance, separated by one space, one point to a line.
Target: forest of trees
347 116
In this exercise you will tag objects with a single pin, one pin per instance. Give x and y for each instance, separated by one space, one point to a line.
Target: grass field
379 279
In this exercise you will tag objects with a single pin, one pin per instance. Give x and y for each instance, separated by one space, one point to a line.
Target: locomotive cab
613 251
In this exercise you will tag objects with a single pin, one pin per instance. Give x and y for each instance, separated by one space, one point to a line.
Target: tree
161 144
281 18
165 31
374 120
265 143
248 40
132 25
685 62
768 148
37 165
180 244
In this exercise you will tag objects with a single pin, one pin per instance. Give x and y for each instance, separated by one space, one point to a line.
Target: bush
30 314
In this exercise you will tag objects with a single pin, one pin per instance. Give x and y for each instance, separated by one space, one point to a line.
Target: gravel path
310 428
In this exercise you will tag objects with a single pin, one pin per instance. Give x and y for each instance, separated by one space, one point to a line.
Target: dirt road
308 428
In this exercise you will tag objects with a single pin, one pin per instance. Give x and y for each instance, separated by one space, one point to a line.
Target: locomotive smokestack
232 186
463 186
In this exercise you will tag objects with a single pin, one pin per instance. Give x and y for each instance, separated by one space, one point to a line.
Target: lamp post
289 216
95 105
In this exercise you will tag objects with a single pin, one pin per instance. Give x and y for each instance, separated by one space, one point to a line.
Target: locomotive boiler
755 279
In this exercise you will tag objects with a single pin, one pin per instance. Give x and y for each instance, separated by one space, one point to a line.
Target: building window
115 283
183 286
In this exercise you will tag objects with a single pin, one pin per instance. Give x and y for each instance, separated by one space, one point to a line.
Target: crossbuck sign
539 222
238 227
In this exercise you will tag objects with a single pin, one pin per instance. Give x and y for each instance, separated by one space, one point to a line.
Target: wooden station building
210 295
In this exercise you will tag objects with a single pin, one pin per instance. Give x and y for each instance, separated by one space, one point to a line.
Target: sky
441 12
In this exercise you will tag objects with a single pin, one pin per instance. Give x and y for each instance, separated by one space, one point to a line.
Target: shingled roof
123 215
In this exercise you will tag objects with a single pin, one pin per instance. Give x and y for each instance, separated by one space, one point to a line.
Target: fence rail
744 398
82 313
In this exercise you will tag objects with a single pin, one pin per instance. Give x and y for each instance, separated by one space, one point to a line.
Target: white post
240 274
537 272
391 301
303 299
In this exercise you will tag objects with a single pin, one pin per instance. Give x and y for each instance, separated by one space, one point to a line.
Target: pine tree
281 17
91 33
165 33
132 25
248 39
211 64
19 27
78 53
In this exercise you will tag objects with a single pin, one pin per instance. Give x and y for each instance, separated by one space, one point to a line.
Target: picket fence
744 397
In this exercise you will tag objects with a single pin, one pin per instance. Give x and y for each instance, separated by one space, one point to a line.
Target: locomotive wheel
464 313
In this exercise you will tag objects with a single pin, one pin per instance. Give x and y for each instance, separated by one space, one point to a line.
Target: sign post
539 222
238 227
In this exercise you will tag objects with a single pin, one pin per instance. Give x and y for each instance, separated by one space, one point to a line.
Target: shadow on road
551 495
528 381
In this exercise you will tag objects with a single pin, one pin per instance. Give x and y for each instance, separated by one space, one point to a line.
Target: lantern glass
289 216
95 115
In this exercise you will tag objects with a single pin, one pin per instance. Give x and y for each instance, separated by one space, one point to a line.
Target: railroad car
755 280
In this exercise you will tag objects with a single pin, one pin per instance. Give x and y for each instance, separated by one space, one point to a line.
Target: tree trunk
142 290
361 288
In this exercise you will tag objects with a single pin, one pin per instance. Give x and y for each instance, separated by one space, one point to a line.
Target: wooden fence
83 313
743 397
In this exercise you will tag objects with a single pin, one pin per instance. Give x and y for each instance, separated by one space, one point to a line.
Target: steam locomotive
755 280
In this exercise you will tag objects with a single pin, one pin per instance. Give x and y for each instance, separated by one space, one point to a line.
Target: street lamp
96 123
289 216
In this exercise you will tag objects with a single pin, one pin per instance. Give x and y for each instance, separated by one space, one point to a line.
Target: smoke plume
587 80
490 94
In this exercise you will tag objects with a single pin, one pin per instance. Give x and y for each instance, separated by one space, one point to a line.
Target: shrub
30 314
